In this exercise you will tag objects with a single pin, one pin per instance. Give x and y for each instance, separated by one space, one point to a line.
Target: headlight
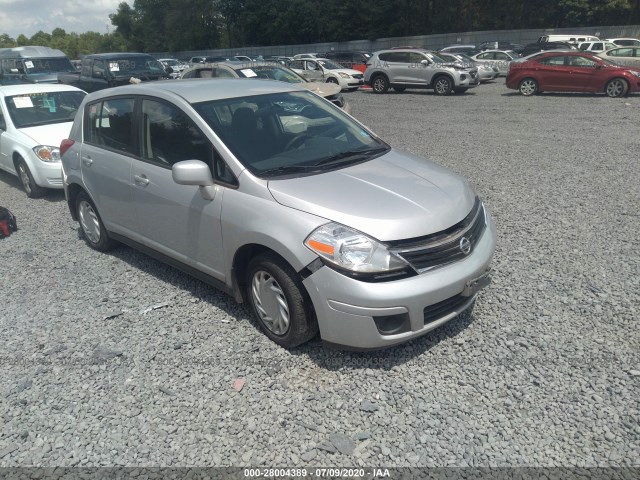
47 153
344 75
633 72
351 250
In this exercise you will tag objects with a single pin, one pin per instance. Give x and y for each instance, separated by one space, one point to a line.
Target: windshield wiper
284 169
350 156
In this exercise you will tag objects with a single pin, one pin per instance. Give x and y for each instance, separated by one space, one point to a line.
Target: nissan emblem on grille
465 245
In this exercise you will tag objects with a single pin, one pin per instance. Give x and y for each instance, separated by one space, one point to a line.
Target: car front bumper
349 311
47 175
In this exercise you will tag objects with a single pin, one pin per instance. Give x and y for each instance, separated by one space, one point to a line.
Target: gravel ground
116 359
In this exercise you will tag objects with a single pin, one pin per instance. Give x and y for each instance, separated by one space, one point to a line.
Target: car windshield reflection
293 133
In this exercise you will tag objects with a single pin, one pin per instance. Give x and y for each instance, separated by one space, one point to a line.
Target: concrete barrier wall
429 41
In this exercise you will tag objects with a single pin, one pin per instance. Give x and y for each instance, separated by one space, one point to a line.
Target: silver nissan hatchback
274 195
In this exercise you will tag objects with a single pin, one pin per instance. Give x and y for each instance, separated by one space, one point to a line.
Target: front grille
443 308
444 247
357 75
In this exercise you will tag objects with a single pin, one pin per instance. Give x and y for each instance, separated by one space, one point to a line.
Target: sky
29 16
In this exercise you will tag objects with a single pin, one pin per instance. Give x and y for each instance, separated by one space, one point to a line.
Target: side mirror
194 172
425 62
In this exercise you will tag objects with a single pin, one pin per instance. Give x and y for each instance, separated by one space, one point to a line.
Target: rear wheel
380 84
91 226
617 87
26 179
528 87
443 86
279 302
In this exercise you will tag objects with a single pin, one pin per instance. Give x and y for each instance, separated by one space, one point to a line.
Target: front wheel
91 226
31 188
332 80
528 87
279 302
380 84
443 86
616 88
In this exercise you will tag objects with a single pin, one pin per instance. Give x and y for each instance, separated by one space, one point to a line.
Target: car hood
322 89
392 197
50 135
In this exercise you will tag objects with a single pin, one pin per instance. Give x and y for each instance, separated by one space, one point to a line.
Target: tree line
181 25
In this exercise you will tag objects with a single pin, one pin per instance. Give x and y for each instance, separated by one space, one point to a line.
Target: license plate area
474 285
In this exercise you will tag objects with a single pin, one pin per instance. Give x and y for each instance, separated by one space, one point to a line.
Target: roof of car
195 90
118 55
26 88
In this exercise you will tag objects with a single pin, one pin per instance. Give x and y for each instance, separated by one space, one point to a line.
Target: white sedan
497 58
34 119
325 70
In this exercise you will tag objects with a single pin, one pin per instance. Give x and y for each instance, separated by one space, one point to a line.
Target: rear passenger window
622 52
109 124
169 135
552 61
397 57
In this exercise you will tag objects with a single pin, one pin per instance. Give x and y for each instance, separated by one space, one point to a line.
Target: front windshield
291 133
48 65
435 58
171 63
271 72
135 65
329 65
43 108
465 58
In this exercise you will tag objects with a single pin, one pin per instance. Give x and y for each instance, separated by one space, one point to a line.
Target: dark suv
355 60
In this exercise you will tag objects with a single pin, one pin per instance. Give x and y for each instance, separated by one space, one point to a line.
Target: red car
572 72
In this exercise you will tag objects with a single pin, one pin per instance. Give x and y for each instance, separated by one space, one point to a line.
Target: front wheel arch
445 90
270 280
616 87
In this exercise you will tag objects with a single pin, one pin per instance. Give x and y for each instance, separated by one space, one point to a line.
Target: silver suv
274 195
414 68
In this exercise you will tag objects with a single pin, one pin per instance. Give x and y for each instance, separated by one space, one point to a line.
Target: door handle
87 161
141 180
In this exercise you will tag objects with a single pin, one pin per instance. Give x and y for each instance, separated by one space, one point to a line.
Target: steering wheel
297 141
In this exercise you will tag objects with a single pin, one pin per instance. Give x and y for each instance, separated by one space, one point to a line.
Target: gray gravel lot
116 359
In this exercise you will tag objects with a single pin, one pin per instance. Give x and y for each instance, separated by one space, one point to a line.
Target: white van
574 38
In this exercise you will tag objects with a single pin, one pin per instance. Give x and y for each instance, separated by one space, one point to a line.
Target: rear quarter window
109 124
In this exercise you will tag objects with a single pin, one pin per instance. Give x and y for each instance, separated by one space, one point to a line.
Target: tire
279 302
528 87
442 85
380 84
332 80
399 89
32 189
460 90
91 226
617 87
